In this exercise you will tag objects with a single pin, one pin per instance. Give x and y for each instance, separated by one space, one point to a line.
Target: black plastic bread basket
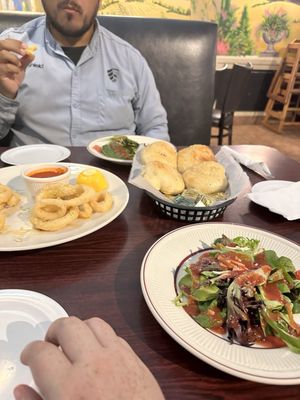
190 214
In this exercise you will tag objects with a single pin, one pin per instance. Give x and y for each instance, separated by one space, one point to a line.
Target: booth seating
182 57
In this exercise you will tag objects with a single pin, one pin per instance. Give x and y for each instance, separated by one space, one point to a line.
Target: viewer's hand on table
94 363
13 63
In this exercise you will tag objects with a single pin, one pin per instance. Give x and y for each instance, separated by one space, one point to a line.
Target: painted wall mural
246 27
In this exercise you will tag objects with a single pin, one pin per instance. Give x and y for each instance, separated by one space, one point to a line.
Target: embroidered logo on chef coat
36 65
113 74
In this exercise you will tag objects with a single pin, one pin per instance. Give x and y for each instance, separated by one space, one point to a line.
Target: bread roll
163 177
207 177
193 155
160 151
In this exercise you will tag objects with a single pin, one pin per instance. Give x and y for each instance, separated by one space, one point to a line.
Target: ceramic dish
45 174
265 186
25 316
21 236
274 366
35 153
105 140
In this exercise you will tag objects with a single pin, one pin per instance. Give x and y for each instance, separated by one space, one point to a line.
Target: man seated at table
82 82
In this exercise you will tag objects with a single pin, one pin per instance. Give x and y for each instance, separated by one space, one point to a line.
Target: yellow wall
193 9
256 13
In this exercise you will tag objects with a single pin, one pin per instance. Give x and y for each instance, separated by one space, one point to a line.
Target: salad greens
240 289
120 147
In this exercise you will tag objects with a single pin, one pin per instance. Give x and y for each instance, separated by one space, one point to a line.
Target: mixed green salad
120 147
247 292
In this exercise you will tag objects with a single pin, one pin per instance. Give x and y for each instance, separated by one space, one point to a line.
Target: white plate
105 140
266 186
20 235
35 153
25 316
273 366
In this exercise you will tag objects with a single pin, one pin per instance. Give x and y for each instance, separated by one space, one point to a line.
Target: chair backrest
236 85
181 55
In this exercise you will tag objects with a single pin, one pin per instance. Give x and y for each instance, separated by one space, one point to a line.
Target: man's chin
71 33
70 30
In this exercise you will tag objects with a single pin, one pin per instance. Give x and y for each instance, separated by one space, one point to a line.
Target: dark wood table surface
98 275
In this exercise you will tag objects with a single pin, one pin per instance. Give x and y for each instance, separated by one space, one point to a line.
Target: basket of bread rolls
191 184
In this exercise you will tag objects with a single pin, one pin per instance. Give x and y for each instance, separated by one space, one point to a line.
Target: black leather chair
181 55
222 116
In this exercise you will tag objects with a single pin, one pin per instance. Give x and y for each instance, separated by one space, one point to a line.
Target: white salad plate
19 234
92 147
34 154
25 316
277 366
266 186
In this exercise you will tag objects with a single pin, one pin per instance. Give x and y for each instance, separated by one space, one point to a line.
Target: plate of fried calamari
60 212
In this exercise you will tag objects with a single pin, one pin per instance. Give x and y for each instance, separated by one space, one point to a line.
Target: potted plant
274 27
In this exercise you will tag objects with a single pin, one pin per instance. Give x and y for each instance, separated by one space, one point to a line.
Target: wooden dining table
99 275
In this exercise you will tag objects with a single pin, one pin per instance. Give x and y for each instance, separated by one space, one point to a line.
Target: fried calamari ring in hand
102 202
31 49
49 209
55 224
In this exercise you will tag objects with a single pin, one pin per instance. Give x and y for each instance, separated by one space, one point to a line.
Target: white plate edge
8 152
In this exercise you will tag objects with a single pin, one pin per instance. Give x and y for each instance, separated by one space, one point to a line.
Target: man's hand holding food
15 56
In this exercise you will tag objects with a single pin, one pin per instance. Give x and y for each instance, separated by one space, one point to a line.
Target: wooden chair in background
223 114
283 106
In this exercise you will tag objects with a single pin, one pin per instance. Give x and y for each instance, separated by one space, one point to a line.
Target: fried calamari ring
2 221
56 224
8 200
5 193
57 205
14 200
102 202
56 191
49 209
84 194
31 49
85 211
72 195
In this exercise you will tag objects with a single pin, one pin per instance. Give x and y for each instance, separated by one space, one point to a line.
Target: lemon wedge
93 178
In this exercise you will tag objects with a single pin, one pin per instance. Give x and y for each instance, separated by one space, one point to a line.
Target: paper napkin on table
284 201
259 167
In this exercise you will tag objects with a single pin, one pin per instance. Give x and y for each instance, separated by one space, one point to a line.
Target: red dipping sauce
47 172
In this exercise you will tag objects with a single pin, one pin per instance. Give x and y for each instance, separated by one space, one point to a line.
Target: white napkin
284 201
258 166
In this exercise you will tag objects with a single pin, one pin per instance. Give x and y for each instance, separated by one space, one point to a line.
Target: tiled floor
287 142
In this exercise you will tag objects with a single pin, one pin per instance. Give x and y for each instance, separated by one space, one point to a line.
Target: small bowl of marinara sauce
38 175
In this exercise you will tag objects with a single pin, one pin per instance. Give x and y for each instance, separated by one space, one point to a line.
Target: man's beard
70 31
